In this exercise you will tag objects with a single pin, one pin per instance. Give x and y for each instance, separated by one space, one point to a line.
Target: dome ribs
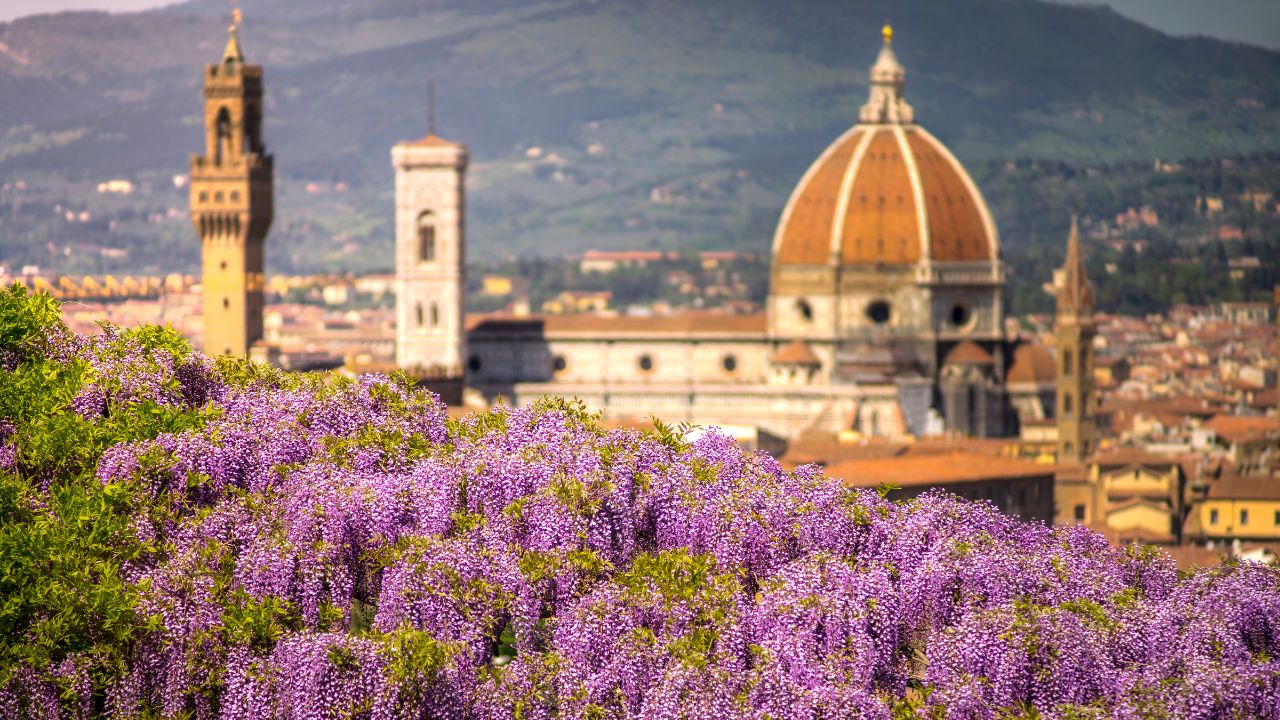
806 231
881 230
958 231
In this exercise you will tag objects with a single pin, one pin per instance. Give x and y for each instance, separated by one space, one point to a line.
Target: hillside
717 111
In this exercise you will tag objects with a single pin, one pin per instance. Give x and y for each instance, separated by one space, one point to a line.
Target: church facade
885 313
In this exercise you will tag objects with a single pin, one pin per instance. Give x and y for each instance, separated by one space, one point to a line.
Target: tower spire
431 108
1076 295
233 53
1074 330
888 80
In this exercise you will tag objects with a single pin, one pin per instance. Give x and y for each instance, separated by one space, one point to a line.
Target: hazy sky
1252 21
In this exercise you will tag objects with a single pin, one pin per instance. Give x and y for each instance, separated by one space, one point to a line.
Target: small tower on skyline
430 253
1074 330
232 202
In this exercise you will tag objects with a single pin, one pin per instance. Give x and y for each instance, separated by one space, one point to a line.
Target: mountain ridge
719 110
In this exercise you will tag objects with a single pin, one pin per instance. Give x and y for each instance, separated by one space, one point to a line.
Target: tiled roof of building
1244 487
796 352
1032 363
941 469
432 140
1132 457
1189 557
968 353
1241 429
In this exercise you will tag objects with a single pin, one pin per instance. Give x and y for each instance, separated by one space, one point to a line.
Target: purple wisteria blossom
328 548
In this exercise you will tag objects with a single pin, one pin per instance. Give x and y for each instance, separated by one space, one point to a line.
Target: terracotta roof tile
941 469
1032 363
968 353
1245 487
796 352
1241 429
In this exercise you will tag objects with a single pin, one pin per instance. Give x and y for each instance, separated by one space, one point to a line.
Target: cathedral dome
886 192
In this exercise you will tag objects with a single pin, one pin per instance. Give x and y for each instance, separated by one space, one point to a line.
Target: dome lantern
888 81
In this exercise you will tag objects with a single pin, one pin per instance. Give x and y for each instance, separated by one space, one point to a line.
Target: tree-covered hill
718 106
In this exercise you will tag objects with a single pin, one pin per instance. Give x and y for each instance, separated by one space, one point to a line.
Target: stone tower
1074 329
430 256
232 203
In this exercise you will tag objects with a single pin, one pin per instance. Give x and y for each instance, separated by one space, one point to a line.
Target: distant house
1244 507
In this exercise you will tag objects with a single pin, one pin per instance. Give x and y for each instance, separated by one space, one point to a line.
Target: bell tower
430 255
232 202
1074 328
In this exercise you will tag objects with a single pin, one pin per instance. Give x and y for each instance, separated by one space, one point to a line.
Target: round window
474 364
558 363
729 363
960 315
805 309
645 362
878 312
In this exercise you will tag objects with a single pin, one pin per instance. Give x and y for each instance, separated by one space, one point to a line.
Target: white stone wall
430 179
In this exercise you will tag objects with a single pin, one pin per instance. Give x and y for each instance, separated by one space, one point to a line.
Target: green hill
719 107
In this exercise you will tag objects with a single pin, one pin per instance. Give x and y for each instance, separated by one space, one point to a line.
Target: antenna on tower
431 107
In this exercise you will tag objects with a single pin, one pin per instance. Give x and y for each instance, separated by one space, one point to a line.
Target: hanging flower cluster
296 547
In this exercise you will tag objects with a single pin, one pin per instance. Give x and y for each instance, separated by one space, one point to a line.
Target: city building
232 203
885 313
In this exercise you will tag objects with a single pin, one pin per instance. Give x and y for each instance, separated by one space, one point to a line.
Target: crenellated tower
1074 329
232 202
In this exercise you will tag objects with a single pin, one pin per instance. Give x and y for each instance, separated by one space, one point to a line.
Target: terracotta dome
886 192
1032 363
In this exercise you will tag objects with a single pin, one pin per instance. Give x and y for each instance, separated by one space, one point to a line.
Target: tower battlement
232 203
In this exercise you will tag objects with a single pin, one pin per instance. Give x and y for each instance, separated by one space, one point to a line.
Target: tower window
1066 404
435 315
222 143
426 237
805 309
418 313
960 315
1067 357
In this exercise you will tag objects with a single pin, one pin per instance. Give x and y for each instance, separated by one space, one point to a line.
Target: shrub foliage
189 538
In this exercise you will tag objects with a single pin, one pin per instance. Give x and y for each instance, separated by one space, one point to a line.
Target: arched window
426 237
418 312
435 315
222 146
1066 363
1066 404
